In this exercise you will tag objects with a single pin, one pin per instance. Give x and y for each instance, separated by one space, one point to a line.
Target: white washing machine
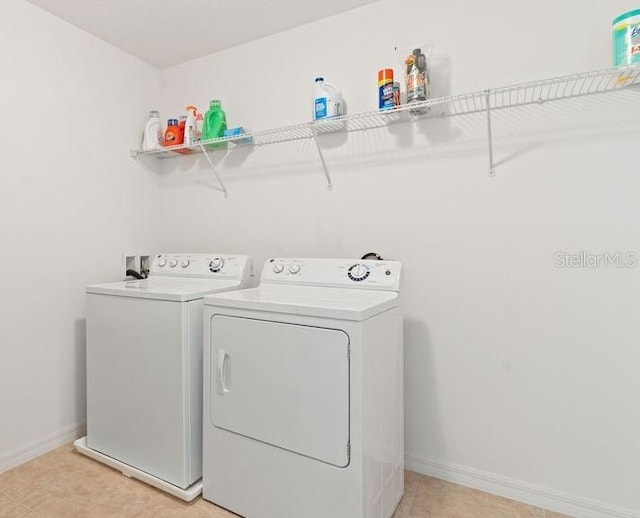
144 369
303 392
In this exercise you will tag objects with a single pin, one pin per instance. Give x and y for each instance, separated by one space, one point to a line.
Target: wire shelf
566 87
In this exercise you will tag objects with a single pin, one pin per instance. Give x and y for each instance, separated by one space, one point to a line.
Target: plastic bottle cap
385 73
191 107
154 114
214 103
172 122
318 79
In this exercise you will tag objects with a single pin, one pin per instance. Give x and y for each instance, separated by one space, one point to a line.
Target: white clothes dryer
144 368
303 392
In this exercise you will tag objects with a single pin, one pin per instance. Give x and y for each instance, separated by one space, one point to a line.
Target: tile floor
66 484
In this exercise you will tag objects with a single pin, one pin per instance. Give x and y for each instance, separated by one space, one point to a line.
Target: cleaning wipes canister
626 39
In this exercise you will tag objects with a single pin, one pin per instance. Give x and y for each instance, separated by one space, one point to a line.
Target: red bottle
182 124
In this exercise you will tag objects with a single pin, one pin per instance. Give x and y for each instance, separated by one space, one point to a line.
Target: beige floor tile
439 499
106 494
411 483
33 474
47 472
10 508
218 512
65 484
552 514
422 513
179 509
402 511
199 508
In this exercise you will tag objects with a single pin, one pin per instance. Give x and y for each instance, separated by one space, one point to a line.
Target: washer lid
340 303
180 289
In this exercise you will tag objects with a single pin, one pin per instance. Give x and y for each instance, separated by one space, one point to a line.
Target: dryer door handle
222 372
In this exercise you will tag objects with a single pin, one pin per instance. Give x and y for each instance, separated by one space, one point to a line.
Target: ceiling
167 32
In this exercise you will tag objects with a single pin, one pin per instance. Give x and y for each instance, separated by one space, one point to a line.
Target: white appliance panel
285 385
178 289
339 273
273 333
144 369
144 419
206 266
319 301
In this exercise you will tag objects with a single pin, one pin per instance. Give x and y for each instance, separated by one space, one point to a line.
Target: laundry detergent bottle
173 135
152 138
215 122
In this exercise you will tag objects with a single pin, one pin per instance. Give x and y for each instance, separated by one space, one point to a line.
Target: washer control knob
278 268
162 262
358 272
294 268
173 263
185 263
216 264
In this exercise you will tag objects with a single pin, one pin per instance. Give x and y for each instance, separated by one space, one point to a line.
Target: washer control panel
348 273
201 265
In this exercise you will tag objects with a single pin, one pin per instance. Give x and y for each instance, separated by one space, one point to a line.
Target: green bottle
215 122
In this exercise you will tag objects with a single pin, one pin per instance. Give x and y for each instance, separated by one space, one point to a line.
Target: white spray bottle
191 130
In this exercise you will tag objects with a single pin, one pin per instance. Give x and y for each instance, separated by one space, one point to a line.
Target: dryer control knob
294 268
216 264
162 263
278 268
173 263
185 263
358 272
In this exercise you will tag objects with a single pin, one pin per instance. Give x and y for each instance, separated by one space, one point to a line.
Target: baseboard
36 448
538 496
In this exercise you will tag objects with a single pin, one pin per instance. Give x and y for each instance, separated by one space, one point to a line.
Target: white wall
520 377
71 200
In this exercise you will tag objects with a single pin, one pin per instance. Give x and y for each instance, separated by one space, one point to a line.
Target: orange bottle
173 136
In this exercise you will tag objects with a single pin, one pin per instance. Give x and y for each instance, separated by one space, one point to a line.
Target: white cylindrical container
327 100
152 137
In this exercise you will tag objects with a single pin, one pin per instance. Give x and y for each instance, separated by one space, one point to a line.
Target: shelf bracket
213 169
492 171
324 164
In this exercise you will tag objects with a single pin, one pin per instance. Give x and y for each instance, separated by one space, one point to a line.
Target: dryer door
282 384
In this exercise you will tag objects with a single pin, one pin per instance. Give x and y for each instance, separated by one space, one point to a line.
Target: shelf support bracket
213 169
324 164
492 171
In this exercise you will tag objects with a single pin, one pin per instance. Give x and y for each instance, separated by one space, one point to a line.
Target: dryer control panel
213 266
343 273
